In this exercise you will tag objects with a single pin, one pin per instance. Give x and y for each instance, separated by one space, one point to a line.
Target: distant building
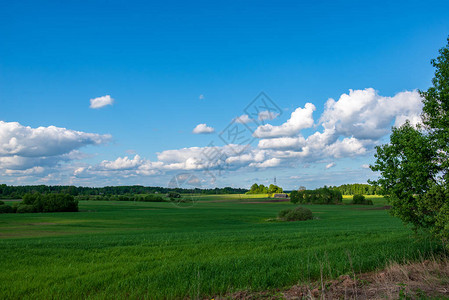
281 195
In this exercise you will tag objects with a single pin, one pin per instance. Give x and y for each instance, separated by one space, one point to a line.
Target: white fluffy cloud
350 126
346 148
203 129
23 147
364 114
16 139
243 119
283 143
267 115
100 102
300 119
269 163
122 163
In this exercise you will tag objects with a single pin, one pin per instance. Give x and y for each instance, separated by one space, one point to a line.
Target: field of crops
158 250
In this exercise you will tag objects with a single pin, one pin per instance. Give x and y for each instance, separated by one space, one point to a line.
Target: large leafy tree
414 166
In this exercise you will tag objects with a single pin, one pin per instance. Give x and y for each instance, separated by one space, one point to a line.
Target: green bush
322 195
360 199
173 195
295 214
153 198
1 202
5 209
283 213
295 197
25 208
50 202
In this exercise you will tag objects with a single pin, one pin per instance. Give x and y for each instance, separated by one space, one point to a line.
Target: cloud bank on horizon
350 126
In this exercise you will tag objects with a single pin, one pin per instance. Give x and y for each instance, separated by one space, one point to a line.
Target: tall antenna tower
274 180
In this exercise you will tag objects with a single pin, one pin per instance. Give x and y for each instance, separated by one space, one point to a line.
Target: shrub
360 199
1 202
25 208
14 207
295 214
6 209
153 198
283 213
173 195
322 195
49 202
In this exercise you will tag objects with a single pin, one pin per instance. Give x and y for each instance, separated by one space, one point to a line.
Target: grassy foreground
156 250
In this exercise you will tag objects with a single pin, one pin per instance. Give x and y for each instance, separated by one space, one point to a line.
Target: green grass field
157 250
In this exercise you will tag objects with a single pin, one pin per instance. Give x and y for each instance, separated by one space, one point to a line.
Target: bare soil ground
428 279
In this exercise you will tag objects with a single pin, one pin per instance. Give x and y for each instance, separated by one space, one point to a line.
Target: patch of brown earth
422 280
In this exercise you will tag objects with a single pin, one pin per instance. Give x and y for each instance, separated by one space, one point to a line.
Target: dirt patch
421 280
42 223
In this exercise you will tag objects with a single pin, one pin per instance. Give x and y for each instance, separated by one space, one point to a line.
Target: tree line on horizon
17 192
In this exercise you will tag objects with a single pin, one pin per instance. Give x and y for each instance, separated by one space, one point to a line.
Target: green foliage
295 214
152 198
258 189
358 188
322 195
274 189
25 208
5 209
360 199
414 166
17 192
49 202
261 189
295 197
173 195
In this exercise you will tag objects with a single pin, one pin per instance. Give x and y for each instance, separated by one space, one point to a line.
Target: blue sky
170 66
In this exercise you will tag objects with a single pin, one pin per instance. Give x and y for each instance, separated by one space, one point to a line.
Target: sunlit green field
157 250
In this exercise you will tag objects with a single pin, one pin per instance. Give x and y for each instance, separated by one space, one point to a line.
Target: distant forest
16 192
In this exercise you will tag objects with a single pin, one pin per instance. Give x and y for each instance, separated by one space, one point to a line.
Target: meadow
220 245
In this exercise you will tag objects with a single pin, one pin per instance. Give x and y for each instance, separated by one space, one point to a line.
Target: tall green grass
156 250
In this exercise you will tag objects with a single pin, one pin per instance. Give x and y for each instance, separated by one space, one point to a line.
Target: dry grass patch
428 279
